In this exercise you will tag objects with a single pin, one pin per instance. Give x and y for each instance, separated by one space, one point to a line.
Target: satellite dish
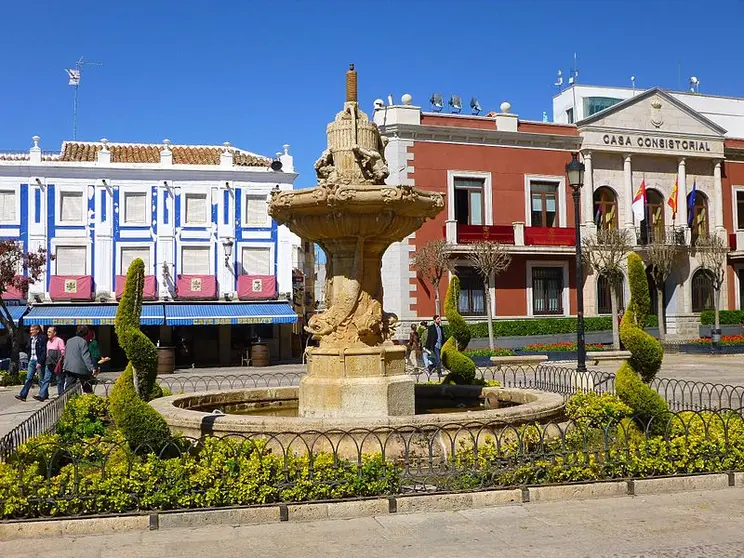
276 165
456 103
475 105
437 102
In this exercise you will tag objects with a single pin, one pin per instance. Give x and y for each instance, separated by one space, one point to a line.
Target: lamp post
575 173
228 246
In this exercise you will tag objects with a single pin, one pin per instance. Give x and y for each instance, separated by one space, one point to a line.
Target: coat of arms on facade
656 118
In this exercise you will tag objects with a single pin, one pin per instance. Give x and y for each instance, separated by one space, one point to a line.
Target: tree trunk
660 312
15 348
487 290
717 305
437 304
615 325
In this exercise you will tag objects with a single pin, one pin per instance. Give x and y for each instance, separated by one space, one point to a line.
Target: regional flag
691 203
639 202
672 201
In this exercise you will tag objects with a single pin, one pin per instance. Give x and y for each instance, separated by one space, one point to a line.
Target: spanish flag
672 201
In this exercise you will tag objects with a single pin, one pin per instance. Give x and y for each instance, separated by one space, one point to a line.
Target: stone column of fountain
354 216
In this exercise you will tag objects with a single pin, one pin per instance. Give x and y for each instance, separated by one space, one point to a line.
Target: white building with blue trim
196 215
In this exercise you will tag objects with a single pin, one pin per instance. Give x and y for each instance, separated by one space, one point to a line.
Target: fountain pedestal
353 215
356 382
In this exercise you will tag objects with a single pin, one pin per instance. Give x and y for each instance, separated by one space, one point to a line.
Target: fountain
354 216
356 381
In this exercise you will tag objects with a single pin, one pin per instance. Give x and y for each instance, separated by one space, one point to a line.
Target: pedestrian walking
434 342
36 351
78 365
414 346
55 355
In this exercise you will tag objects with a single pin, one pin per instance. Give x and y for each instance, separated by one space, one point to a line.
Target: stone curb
314 511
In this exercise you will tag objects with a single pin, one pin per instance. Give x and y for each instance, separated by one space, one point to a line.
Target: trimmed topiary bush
141 425
646 354
461 368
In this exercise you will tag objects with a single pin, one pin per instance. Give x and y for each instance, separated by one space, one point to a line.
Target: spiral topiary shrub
461 368
648 406
141 425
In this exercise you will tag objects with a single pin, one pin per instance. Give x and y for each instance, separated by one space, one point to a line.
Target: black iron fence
40 422
106 476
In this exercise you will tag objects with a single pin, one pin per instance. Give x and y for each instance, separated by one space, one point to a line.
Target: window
257 261
544 203
71 260
196 209
604 302
605 208
570 116
195 260
469 198
702 291
593 105
699 217
135 208
740 209
472 294
547 290
7 206
652 227
256 211
71 207
128 255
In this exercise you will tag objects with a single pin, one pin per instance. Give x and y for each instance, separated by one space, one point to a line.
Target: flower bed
726 340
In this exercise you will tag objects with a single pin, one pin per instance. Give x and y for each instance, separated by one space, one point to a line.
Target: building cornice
475 136
141 171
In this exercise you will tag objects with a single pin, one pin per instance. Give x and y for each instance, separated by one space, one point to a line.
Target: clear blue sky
264 73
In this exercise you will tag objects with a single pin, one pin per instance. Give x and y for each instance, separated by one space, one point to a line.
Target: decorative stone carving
354 216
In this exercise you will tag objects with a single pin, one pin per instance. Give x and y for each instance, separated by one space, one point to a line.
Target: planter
705 330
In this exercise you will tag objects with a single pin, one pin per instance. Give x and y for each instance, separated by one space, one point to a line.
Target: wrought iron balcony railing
646 235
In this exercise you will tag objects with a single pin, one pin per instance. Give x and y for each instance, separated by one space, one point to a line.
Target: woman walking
55 355
78 365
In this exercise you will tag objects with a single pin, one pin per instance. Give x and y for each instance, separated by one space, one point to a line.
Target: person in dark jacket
78 365
434 342
36 350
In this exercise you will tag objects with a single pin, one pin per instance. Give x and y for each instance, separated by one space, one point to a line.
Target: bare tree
489 260
432 261
605 253
661 256
713 251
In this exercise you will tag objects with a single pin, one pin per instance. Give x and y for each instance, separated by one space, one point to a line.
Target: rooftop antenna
559 80
574 72
74 75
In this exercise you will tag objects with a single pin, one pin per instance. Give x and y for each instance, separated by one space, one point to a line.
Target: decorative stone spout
354 216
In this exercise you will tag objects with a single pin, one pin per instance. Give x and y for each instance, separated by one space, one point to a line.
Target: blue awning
16 311
229 313
88 314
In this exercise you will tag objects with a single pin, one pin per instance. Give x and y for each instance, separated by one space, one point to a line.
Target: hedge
543 326
461 367
727 317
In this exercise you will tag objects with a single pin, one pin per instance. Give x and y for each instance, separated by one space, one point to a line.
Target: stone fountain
357 370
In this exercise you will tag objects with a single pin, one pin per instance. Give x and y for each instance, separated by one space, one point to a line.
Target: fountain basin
395 436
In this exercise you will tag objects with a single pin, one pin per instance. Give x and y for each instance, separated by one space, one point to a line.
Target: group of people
426 340
49 357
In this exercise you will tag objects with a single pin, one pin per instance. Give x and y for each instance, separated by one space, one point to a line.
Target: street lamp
575 173
228 246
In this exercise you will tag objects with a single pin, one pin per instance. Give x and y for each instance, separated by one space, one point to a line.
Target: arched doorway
604 301
698 218
702 291
605 208
652 229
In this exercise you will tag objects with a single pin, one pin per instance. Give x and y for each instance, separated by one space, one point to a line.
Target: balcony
549 236
666 235
468 234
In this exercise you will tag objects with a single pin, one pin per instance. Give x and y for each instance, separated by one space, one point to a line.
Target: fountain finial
351 85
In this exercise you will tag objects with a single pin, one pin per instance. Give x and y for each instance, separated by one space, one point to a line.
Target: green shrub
461 367
726 317
8 378
646 355
84 416
141 425
543 326
488 352
596 411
